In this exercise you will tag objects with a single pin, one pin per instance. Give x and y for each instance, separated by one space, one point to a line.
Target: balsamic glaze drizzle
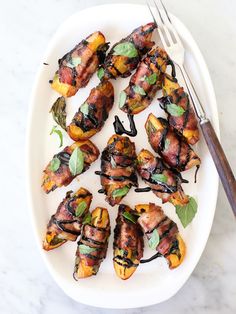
119 128
139 190
151 258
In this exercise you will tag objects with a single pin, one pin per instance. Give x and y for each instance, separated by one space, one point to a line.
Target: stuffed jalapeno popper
92 113
69 163
162 233
128 243
66 223
92 247
78 65
118 168
125 55
170 145
181 115
164 182
145 82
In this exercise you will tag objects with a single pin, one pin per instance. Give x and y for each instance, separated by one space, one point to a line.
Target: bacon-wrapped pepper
58 172
118 168
78 65
164 182
65 224
125 55
145 82
162 233
181 115
92 113
92 247
128 243
170 145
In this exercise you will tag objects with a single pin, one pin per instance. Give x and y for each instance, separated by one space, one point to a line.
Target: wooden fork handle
221 162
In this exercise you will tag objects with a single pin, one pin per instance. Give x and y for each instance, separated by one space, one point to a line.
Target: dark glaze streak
139 190
195 175
119 128
173 72
101 191
151 258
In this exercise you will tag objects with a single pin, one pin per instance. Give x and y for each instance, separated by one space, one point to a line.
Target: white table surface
26 27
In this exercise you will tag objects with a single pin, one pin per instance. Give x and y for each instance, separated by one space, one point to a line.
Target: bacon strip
170 145
78 65
93 113
121 65
152 68
164 182
66 224
170 245
93 244
128 244
62 176
118 168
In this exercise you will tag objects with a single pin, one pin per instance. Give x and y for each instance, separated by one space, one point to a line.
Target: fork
175 49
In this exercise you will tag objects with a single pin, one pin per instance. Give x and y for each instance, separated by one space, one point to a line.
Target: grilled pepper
78 65
128 243
162 233
164 182
58 173
125 55
66 223
170 145
118 168
92 113
181 115
145 82
93 244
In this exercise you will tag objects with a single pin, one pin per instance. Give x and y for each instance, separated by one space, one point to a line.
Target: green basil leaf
84 108
130 217
85 249
59 133
122 99
139 90
167 144
74 62
187 212
76 162
175 110
151 79
125 49
159 178
100 73
58 111
154 240
87 219
54 164
80 209
120 192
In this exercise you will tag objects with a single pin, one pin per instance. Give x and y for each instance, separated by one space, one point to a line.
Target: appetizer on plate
170 145
78 65
164 182
118 169
181 115
66 223
128 243
92 113
162 233
92 247
69 163
145 82
125 55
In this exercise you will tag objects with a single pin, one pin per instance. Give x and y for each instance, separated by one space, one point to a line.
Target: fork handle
221 162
